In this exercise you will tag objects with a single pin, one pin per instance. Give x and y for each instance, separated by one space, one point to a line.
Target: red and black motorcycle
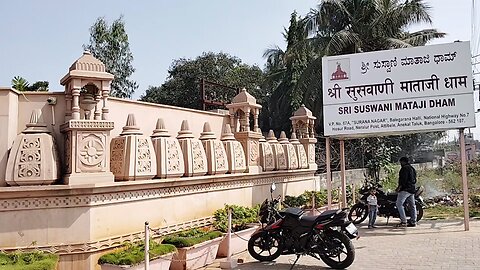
326 237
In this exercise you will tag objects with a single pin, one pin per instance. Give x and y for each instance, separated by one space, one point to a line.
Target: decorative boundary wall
55 197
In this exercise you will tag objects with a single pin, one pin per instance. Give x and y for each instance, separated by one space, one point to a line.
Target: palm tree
19 83
350 26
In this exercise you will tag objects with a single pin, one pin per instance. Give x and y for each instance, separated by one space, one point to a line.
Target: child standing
372 208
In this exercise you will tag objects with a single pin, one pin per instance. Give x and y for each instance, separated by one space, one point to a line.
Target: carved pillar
278 152
309 145
234 150
289 149
193 153
33 158
68 103
267 160
87 151
300 150
104 108
98 112
132 154
76 104
168 152
216 156
255 119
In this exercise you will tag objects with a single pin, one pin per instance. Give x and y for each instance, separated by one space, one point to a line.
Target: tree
283 72
182 87
109 43
21 84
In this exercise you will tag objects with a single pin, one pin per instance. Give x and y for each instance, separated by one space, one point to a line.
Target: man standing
407 177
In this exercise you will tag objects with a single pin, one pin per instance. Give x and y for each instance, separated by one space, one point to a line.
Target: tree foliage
109 44
21 84
338 27
182 88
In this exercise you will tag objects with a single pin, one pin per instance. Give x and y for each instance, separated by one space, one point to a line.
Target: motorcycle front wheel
358 213
340 252
265 246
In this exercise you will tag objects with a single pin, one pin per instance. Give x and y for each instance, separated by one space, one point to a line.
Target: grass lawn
448 212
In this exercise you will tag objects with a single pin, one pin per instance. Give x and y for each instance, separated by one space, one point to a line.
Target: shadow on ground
280 266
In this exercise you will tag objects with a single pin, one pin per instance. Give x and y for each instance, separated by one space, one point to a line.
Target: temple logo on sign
340 68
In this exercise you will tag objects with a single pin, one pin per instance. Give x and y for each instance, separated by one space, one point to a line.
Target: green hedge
132 254
28 261
241 217
191 237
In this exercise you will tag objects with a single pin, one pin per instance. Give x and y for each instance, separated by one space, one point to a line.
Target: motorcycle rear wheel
358 213
265 242
341 252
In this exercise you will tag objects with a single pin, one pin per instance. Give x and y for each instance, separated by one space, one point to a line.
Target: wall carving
253 152
116 159
199 157
30 158
144 156
95 246
239 155
220 156
173 156
92 151
83 200
90 124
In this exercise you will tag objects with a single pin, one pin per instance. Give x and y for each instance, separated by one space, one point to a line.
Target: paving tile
430 245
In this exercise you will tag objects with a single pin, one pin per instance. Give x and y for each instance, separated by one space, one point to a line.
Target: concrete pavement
430 245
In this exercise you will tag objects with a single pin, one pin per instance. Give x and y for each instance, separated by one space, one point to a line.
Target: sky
40 39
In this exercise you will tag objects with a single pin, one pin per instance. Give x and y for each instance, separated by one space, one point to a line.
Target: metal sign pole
329 173
342 173
464 179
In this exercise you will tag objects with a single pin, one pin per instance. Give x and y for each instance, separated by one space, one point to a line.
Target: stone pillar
76 104
267 160
303 123
33 159
168 152
309 145
300 150
214 150
87 151
193 153
289 149
132 154
234 150
278 152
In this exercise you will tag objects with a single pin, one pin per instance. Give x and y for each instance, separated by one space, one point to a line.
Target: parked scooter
325 237
386 204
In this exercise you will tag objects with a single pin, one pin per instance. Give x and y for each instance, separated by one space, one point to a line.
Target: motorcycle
386 204
326 237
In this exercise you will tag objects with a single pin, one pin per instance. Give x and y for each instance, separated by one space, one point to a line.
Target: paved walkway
430 245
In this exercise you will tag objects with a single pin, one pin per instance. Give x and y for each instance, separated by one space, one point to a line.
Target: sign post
393 92
464 180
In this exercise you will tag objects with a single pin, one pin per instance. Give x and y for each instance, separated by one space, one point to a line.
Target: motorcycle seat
311 220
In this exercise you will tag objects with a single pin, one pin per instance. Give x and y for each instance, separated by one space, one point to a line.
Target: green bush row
241 217
305 199
191 237
131 254
28 261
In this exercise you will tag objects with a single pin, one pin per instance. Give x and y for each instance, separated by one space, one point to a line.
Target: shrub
28 261
191 237
131 254
241 217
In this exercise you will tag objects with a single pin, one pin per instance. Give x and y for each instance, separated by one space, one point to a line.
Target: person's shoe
411 225
401 225
369 226
373 226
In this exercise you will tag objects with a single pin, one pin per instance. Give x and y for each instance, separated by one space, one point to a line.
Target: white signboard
397 91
